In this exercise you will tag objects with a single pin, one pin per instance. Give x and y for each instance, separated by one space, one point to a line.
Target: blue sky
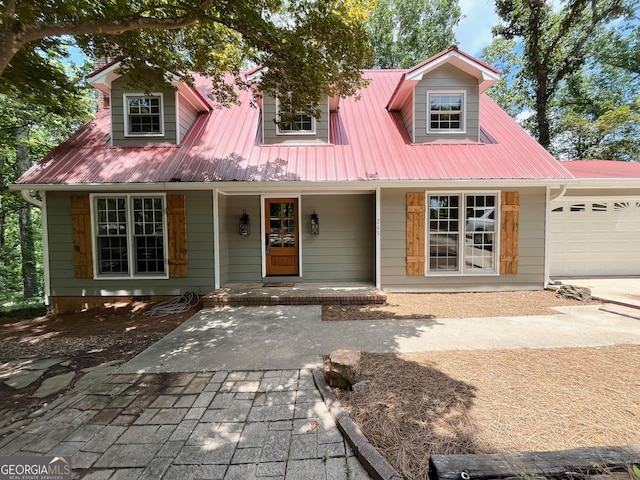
474 30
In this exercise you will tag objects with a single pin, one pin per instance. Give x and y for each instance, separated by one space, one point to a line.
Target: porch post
216 239
378 240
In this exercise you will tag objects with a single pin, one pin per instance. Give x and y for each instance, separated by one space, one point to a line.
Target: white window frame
463 112
464 236
125 108
130 237
294 132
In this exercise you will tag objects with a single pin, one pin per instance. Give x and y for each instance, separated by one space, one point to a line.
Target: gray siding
531 249
223 219
117 116
447 78
406 112
244 253
200 278
186 116
270 132
345 248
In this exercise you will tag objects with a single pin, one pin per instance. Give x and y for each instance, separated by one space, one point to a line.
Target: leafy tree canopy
405 32
555 43
309 47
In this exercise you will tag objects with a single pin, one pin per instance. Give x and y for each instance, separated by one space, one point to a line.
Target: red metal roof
369 143
603 169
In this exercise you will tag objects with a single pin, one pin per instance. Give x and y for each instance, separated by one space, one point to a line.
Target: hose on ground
178 304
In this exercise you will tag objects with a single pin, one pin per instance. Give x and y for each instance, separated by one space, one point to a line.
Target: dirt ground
458 401
86 339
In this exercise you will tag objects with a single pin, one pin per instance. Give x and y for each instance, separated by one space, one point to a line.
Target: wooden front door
281 242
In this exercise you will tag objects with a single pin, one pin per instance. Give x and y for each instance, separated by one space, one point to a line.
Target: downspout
547 237
42 205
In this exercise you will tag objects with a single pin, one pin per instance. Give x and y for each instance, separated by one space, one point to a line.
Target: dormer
439 99
304 130
160 116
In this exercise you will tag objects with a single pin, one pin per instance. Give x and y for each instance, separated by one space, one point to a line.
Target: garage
595 236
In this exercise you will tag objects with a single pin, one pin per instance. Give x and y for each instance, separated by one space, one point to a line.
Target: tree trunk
542 120
3 217
27 244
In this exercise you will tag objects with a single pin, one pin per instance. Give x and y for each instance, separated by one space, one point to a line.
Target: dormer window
446 112
143 115
302 124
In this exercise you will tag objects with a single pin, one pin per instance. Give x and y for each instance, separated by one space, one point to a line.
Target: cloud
474 30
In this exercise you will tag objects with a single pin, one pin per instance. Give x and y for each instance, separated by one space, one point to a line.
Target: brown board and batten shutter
82 245
510 217
177 236
415 233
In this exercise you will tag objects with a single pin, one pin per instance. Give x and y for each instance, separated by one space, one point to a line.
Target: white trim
413 115
462 194
263 233
485 77
125 111
547 238
178 138
228 188
130 257
463 113
596 198
378 233
216 239
293 132
46 267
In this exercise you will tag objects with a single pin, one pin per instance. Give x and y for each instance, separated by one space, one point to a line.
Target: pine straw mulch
496 401
402 306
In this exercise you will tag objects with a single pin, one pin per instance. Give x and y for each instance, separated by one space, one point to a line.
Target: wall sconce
315 224
244 223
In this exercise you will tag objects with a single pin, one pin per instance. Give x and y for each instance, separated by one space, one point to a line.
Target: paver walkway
219 425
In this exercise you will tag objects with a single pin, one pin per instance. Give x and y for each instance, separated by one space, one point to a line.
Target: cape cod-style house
423 184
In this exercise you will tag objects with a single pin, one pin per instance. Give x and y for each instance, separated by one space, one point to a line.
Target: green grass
23 309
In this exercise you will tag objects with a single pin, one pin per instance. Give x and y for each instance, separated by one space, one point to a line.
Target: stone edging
371 460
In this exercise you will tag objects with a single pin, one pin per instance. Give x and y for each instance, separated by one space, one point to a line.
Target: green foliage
405 32
511 92
23 310
555 43
308 47
31 124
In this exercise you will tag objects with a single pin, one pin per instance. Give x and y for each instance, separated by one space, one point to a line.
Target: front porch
281 293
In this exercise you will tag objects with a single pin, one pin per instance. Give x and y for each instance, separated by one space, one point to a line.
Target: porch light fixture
315 224
244 223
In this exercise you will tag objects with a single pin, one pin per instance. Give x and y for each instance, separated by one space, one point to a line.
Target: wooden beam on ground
532 464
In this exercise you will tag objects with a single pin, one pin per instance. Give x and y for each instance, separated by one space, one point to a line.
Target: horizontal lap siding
447 78
243 252
117 116
271 136
394 255
186 116
199 254
345 248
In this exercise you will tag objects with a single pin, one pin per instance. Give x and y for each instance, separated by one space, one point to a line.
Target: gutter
26 194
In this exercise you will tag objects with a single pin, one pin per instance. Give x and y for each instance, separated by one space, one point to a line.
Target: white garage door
595 237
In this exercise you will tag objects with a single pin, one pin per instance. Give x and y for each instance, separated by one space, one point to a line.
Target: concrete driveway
275 337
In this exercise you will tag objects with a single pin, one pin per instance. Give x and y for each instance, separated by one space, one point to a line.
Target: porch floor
274 293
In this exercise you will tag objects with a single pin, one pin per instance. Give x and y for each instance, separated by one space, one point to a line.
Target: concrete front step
298 294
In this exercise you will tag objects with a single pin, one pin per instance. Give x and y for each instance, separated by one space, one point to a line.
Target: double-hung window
461 233
446 112
130 236
300 123
143 115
